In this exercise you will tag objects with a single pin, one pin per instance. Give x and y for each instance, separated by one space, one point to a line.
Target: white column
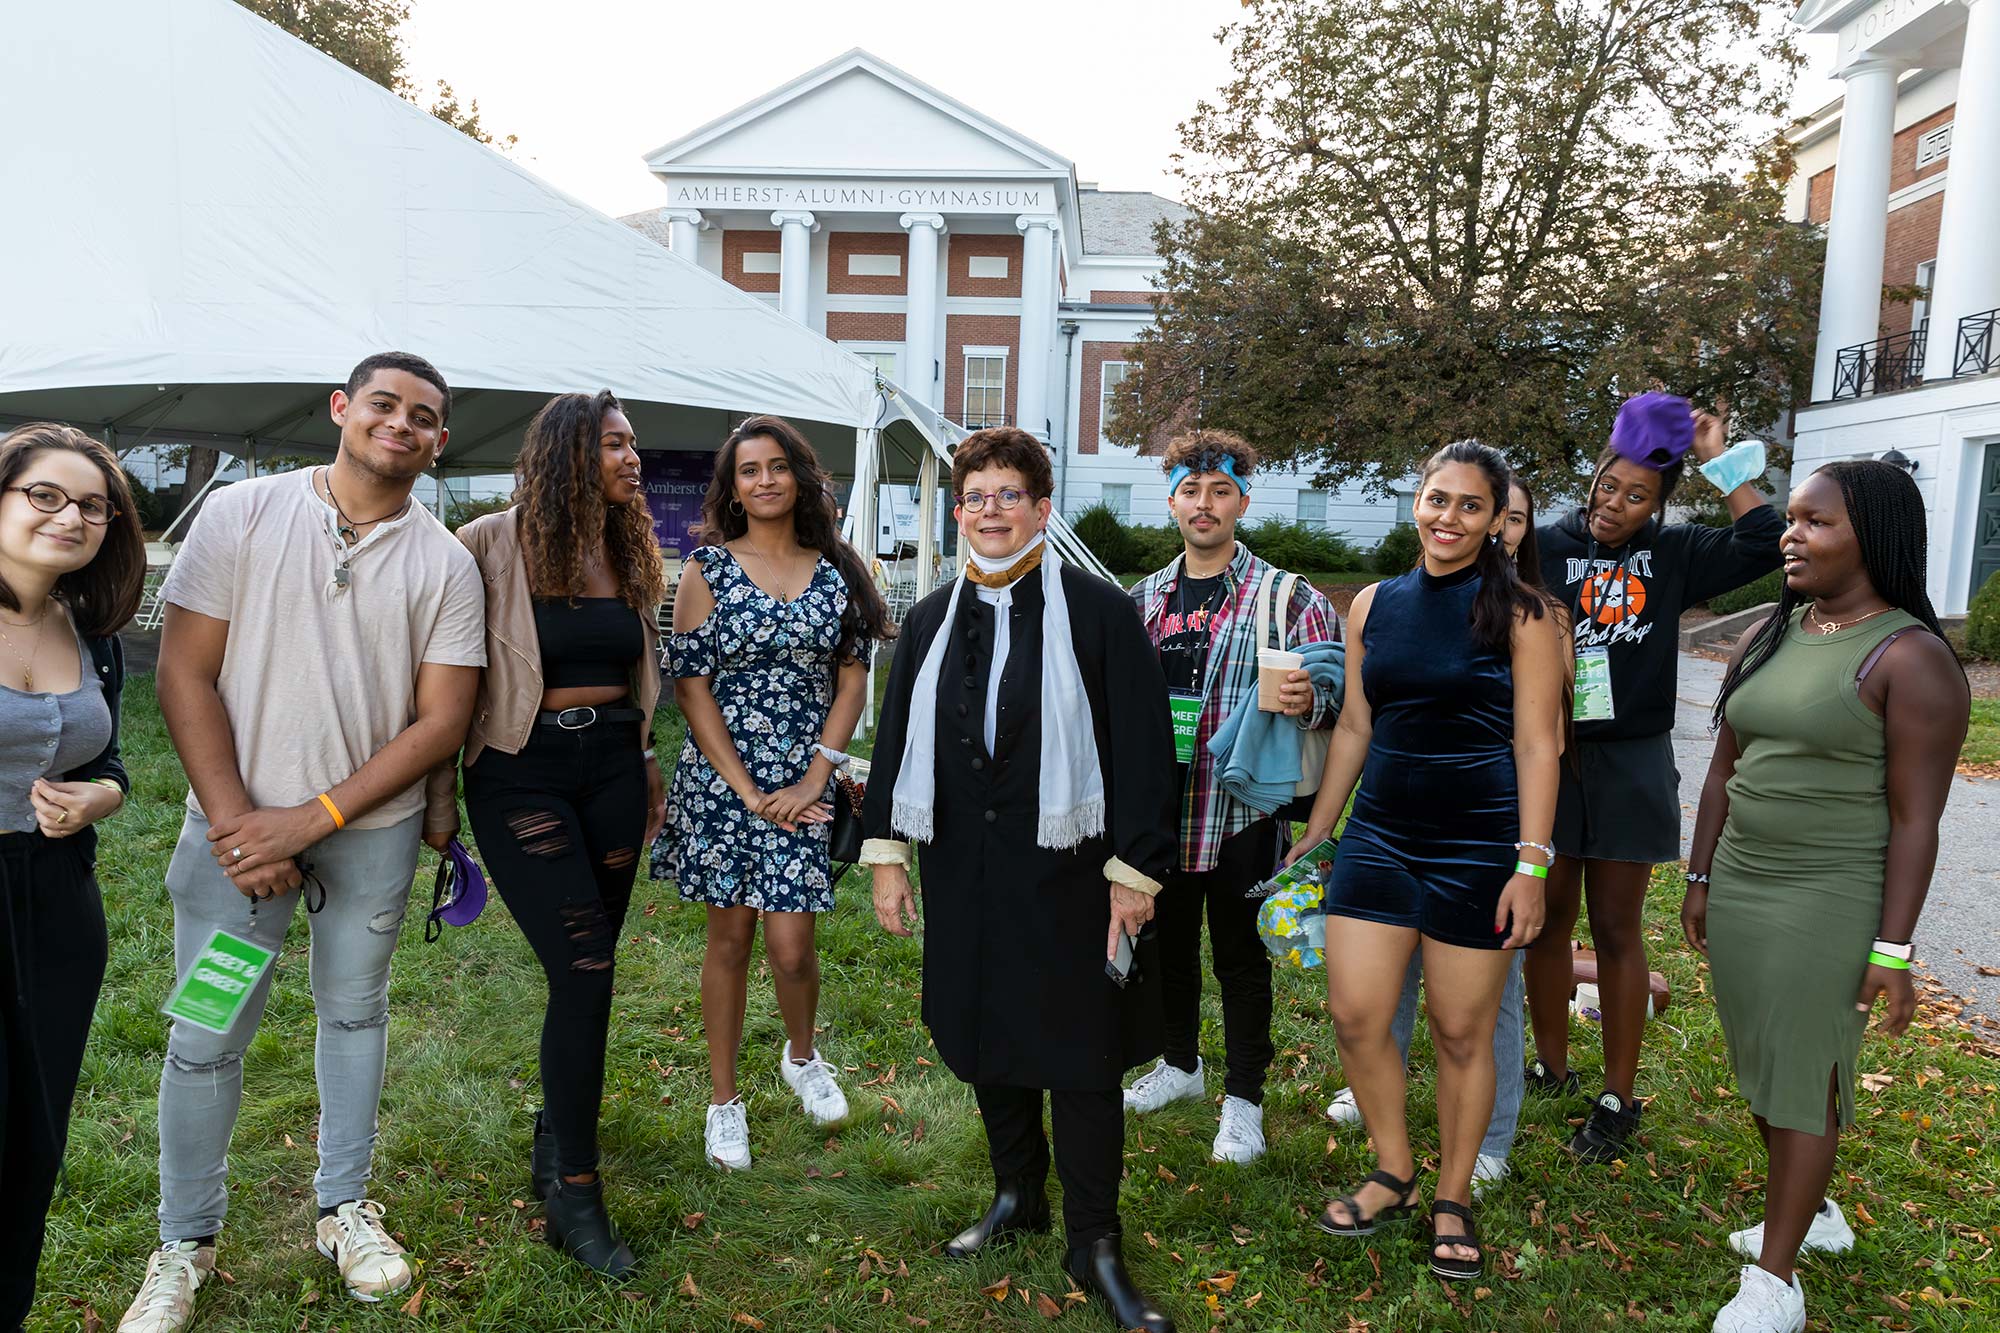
1967 280
1038 321
1850 303
795 263
920 322
684 229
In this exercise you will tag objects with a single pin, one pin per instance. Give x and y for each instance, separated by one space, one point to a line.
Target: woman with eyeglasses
560 779
773 620
72 567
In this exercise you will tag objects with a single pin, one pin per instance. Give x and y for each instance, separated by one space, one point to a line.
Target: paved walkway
1960 928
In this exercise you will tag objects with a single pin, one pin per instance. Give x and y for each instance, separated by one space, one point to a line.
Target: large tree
1421 220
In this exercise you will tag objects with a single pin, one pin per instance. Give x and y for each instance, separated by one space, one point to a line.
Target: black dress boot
1018 1205
542 1159
579 1226
1100 1268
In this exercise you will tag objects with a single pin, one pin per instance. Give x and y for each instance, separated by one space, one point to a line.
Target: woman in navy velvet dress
1452 725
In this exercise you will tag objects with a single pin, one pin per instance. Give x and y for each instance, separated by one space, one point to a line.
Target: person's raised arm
1539 648
1348 751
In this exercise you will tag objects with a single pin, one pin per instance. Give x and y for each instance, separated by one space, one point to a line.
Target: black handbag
844 846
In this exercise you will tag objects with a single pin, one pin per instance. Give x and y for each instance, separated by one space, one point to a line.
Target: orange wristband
339 822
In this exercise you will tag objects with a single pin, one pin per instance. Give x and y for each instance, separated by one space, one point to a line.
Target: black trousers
52 964
1242 964
559 825
1090 1150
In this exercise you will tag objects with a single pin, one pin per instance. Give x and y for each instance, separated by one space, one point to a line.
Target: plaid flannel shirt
1229 681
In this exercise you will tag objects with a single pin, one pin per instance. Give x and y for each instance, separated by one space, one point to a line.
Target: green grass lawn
841 1231
1982 740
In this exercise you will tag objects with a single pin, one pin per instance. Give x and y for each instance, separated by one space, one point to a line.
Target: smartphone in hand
1120 969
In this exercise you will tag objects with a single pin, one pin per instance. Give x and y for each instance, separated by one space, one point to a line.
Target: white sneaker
1487 1170
1829 1233
1343 1109
371 1262
165 1302
1763 1304
813 1081
728 1136
1241 1138
1163 1084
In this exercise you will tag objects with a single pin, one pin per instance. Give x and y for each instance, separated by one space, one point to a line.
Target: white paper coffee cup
1273 665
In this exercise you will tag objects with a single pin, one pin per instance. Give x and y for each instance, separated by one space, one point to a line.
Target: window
1406 506
1312 509
985 388
1920 309
882 356
986 266
875 266
760 261
1114 375
1117 498
1934 146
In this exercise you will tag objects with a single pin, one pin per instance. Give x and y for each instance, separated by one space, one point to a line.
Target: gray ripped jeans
367 874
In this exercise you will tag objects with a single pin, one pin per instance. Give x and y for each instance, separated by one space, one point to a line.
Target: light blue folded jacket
1258 754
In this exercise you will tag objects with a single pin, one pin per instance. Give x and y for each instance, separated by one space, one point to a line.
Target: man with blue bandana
1200 613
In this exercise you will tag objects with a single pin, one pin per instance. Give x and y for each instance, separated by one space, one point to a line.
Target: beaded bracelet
1541 847
1696 877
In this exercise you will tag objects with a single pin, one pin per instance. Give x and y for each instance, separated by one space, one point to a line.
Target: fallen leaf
1877 1081
92 1321
1253 1300
1221 1284
1151 1239
1166 1174
693 1220
414 1306
1046 1307
998 1290
688 1288
1985 971
747 1320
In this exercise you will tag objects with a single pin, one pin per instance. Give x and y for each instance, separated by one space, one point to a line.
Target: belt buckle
586 714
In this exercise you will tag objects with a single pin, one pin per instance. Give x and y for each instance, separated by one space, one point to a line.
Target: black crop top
587 641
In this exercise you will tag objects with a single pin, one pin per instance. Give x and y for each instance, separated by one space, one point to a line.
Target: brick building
1904 172
967 262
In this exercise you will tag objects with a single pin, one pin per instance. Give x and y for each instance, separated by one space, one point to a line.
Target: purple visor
1653 430
459 894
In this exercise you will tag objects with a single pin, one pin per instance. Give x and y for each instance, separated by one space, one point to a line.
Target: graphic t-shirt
1187 629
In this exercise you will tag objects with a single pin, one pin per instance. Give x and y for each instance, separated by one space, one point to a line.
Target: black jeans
52 965
1242 964
559 825
1090 1150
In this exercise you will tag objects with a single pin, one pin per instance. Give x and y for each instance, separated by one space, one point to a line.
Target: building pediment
856 116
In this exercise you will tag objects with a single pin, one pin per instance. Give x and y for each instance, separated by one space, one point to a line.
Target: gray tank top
46 735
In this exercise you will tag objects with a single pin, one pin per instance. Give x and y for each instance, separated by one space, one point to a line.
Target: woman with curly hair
560 779
772 625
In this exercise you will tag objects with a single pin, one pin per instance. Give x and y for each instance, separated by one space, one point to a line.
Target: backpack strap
1282 606
1261 618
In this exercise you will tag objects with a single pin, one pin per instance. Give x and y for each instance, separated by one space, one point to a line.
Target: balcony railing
1884 365
1975 354
981 420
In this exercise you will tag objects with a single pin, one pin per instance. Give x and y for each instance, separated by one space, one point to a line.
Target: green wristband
1888 961
1524 868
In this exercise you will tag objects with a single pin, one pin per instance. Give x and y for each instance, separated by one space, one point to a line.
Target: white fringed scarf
1071 784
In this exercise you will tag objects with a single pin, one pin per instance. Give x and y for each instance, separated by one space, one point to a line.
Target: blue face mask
1220 463
1735 465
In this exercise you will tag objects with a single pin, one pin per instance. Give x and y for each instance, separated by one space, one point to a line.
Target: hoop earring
735 505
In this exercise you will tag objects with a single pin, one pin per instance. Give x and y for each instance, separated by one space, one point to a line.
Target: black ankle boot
542 1159
579 1226
1018 1205
1100 1268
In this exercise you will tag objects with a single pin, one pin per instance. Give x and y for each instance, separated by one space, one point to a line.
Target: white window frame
999 354
1926 279
868 350
1117 497
868 265
986 266
761 261
1318 521
1105 388
1934 146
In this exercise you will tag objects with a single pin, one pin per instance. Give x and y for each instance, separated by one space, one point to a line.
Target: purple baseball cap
1653 430
460 892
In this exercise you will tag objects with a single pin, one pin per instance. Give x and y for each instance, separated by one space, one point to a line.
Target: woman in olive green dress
1839 724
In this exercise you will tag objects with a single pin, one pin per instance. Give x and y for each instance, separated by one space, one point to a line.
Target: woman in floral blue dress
773 621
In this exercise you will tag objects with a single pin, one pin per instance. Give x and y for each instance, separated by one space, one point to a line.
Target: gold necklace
769 569
1826 626
41 624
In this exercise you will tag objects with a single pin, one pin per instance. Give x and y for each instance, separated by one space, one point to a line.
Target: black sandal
1356 1224
1451 1268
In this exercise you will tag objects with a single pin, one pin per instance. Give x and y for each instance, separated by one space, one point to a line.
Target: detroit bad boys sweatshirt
1629 600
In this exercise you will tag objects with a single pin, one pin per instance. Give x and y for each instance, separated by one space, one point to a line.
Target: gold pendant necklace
28 662
1826 626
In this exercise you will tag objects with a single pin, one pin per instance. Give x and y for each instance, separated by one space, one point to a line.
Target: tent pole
861 508
927 518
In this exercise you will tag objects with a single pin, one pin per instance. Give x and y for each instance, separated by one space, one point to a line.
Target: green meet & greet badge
1592 700
217 987
1184 707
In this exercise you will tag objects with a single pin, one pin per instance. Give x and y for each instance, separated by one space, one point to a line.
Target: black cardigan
107 655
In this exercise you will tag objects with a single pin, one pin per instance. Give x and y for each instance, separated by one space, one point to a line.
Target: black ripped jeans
559 827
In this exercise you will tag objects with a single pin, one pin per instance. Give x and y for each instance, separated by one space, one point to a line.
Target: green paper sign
219 984
1185 709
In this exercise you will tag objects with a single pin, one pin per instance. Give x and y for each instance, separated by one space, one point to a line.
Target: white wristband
837 758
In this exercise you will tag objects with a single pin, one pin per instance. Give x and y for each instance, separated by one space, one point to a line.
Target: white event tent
207 222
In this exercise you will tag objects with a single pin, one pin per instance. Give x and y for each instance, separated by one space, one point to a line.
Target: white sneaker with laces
1487 1170
165 1302
1343 1109
1241 1138
1763 1304
371 1263
1163 1084
1829 1233
813 1081
728 1136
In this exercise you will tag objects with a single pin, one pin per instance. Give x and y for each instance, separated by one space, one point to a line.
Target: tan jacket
510 689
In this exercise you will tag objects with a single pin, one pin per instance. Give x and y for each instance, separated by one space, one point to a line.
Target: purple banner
675 482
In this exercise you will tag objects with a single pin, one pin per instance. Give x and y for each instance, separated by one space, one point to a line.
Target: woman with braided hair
1837 730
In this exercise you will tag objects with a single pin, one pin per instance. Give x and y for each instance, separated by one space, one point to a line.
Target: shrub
1399 550
1754 593
1982 620
1294 546
155 509
458 513
1153 547
1099 529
